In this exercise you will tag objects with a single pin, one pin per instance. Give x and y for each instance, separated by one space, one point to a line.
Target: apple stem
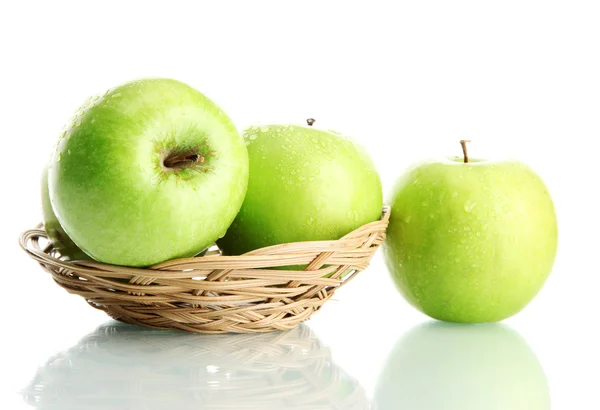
310 121
183 161
463 144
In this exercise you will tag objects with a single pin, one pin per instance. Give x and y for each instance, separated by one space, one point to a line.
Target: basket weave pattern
253 292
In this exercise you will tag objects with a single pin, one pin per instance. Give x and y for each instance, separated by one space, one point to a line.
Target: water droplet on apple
115 95
416 181
59 157
478 233
69 152
469 205
424 203
454 194
93 120
511 238
78 123
485 188
310 220
63 134
466 228
306 163
505 208
407 219
311 179
457 259
294 172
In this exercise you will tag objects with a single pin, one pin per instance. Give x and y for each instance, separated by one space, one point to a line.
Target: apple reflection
120 366
451 366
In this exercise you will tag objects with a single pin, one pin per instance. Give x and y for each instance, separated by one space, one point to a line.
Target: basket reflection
120 366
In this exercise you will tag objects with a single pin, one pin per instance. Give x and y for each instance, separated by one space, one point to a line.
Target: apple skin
453 366
56 234
305 184
113 192
470 242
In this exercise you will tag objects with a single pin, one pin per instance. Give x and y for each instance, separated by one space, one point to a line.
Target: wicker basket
124 366
253 292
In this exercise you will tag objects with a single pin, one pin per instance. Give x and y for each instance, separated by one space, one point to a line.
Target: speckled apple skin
470 242
305 184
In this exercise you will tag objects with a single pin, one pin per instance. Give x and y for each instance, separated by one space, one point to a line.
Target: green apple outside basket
157 211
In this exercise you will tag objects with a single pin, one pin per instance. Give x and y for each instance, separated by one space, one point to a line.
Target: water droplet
478 233
511 238
284 147
407 218
469 205
424 203
93 120
311 179
115 95
505 208
306 163
294 172
457 259
454 194
416 181
63 134
485 188
466 228
59 157
78 123
310 220
69 152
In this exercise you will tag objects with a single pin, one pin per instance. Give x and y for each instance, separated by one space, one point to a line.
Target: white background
406 79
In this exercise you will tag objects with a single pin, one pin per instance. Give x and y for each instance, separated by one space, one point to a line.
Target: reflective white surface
119 366
407 80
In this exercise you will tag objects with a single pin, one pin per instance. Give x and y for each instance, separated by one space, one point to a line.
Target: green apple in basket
56 234
150 171
305 184
470 240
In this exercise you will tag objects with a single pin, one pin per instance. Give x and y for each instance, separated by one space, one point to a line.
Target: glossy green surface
446 366
56 234
111 191
470 242
305 184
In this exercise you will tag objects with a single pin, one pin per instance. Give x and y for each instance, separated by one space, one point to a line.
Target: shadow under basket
259 291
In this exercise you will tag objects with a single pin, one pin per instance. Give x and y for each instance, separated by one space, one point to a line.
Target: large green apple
150 171
305 184
470 241
462 367
56 234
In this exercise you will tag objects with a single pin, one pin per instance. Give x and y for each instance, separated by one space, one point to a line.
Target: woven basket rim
170 265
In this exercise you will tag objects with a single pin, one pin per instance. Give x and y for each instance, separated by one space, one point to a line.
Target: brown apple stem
310 121
463 144
183 161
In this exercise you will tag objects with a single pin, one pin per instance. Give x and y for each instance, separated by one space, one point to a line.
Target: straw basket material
124 366
259 291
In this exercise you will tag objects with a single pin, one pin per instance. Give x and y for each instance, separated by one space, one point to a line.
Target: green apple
152 170
462 367
305 184
470 241
56 234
